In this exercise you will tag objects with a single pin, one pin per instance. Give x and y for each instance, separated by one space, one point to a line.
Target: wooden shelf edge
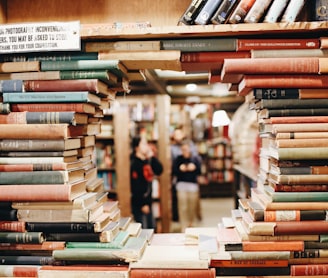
106 31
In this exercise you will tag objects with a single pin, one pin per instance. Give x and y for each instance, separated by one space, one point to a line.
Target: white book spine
275 11
293 9
257 11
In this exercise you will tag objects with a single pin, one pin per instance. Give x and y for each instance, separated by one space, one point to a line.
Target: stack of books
50 196
281 229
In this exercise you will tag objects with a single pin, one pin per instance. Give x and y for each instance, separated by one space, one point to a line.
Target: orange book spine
55 107
273 245
158 273
32 167
46 245
290 215
299 119
13 226
301 143
248 263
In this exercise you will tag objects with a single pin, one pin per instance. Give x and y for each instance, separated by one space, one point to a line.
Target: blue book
51 97
12 85
207 12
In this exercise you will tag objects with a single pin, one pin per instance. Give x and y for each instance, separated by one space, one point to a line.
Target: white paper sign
43 36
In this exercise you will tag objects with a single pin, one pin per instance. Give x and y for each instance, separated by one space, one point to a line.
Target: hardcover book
191 12
257 11
239 13
207 11
223 12
275 11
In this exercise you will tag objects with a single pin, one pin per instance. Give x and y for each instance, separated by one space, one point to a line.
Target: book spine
207 12
308 253
275 11
293 9
193 45
309 269
257 11
37 118
223 12
320 10
158 273
191 12
300 188
4 108
28 260
60 227
61 85
60 57
45 97
35 192
11 86
46 107
34 131
276 93
36 177
79 65
240 11
12 226
8 214
83 74
293 215
24 237
19 270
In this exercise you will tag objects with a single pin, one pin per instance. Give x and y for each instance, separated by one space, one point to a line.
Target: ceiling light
191 87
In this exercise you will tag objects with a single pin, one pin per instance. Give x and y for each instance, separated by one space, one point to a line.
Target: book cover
267 113
293 215
190 14
19 270
206 44
114 66
41 177
44 118
54 107
246 44
42 192
291 103
309 269
11 86
21 237
239 13
26 66
135 45
222 13
252 81
281 53
292 10
257 11
299 153
46 97
84 270
275 11
207 11
157 273
91 85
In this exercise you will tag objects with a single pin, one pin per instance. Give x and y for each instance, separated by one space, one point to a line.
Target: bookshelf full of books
280 231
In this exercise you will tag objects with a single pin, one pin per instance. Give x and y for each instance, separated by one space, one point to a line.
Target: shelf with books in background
105 153
146 116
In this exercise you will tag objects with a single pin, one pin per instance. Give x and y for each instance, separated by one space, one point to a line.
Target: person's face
143 147
178 135
185 150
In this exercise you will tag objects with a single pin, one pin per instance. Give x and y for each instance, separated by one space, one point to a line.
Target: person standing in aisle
177 139
186 168
144 165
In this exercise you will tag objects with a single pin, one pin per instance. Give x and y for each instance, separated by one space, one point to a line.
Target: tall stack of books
50 195
283 224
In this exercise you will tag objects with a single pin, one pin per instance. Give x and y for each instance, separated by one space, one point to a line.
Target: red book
309 270
308 227
12 226
251 81
218 56
166 273
298 65
215 262
244 44
20 270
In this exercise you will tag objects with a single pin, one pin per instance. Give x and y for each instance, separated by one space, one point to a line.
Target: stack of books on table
50 196
282 227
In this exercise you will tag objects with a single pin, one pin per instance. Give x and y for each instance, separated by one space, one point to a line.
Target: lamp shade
220 118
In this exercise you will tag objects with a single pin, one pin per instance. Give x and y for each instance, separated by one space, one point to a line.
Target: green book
114 66
104 75
51 97
21 237
296 196
198 45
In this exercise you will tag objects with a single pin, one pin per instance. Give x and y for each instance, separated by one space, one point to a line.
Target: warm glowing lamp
220 118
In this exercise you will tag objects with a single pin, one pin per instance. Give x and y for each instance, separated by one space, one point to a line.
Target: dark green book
29 260
104 75
198 45
21 237
60 227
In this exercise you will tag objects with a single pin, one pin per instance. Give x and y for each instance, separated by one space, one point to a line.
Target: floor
213 209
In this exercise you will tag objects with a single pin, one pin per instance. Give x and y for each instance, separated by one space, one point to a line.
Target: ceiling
185 87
